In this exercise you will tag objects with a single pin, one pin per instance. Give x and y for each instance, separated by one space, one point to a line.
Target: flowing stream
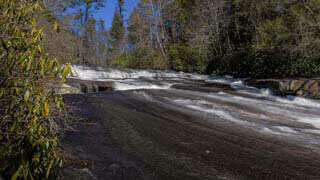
295 119
174 125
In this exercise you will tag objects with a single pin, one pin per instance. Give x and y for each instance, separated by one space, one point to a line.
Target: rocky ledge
298 87
76 86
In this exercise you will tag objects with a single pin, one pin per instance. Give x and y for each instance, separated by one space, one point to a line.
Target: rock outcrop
86 86
76 86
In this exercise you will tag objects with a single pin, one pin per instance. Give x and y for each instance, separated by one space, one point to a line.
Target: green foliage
277 38
274 38
187 59
28 144
292 39
123 61
264 64
117 30
273 33
141 59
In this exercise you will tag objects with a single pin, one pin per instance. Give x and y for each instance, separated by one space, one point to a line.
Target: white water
207 107
294 118
123 85
293 122
86 73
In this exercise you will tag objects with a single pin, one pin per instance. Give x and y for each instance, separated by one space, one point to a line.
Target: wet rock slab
145 134
89 151
204 87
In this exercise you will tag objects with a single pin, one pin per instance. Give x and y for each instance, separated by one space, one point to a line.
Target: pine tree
117 34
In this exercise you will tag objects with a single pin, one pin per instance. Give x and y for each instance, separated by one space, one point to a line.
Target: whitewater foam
135 85
204 106
286 129
299 101
86 73
133 81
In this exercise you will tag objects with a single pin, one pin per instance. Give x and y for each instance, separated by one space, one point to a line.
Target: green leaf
27 96
66 71
2 93
56 26
46 109
17 174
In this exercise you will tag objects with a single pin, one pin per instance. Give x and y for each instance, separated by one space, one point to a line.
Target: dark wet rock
124 172
129 137
204 87
298 87
90 146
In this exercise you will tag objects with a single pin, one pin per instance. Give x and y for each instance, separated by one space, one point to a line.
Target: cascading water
296 118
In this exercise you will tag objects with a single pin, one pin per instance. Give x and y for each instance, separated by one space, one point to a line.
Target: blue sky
107 12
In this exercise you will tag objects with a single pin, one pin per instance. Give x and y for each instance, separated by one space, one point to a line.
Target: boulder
313 88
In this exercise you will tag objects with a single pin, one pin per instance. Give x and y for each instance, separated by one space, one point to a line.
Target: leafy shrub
141 59
186 58
123 61
28 144
266 64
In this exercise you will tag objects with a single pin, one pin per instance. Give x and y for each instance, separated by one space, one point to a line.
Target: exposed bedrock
76 86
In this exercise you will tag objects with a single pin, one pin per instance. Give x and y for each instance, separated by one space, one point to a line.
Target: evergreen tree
117 34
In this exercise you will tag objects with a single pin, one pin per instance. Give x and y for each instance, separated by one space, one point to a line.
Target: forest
39 39
261 39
